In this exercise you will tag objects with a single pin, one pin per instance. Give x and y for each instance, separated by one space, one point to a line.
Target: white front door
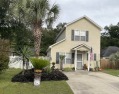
79 61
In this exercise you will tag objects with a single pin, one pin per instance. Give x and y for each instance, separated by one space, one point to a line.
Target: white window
76 35
62 54
79 35
68 58
82 35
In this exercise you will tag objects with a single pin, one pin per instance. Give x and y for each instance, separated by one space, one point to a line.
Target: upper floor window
79 35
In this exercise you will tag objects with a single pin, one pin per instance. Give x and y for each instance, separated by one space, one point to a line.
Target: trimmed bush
39 63
55 75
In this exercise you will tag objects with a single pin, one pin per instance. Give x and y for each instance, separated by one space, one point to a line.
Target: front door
79 61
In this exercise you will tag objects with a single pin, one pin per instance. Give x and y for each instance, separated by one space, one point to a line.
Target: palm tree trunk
23 64
37 39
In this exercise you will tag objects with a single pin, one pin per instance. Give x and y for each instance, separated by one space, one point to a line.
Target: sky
103 12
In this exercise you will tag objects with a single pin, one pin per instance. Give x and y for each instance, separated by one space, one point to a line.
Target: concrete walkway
83 82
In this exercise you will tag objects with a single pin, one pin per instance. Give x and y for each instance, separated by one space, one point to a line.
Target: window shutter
72 58
57 57
72 35
95 56
87 35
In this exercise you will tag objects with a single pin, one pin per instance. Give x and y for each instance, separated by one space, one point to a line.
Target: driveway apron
83 82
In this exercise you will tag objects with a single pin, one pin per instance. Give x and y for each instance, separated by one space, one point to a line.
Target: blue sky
103 12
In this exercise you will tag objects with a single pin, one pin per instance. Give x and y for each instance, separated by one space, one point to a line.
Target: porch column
88 60
75 60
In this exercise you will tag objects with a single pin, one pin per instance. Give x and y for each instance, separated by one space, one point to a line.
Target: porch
82 54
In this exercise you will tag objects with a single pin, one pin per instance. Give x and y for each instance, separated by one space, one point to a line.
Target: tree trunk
37 39
23 64
61 65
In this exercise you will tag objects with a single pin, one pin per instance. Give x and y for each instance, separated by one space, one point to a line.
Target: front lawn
46 87
111 71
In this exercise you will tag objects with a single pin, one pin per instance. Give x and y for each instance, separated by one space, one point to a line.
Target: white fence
16 62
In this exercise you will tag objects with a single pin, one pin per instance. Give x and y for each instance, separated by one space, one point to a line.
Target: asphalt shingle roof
109 50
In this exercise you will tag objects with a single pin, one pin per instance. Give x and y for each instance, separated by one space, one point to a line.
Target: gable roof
99 27
81 45
60 33
109 50
87 19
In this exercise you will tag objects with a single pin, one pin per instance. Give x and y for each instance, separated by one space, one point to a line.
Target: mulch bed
28 76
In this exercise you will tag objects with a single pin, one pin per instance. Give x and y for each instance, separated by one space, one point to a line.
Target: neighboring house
105 53
79 41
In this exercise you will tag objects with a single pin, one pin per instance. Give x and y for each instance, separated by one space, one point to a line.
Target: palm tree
40 13
35 14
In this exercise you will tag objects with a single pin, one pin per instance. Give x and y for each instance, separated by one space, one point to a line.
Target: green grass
46 87
113 72
67 69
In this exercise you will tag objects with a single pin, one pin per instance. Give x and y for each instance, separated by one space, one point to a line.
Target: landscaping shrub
39 63
4 54
85 67
54 75
3 62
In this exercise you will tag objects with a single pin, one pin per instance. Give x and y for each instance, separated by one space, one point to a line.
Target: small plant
39 63
47 69
53 66
73 68
85 67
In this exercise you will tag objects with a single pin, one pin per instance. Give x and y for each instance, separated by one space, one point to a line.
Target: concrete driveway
83 82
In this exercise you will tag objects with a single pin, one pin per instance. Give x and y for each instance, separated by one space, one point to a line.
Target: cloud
103 12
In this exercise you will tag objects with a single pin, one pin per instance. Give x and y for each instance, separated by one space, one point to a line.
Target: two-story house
79 41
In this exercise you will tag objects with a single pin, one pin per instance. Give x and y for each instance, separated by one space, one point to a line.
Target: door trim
80 61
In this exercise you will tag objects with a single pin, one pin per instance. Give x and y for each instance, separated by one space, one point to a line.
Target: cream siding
68 44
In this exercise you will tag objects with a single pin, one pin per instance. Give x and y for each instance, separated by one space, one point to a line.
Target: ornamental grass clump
39 63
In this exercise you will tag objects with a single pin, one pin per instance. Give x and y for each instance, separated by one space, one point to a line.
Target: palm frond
52 15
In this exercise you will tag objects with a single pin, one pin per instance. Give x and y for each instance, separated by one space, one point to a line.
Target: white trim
87 19
88 60
75 59
81 46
